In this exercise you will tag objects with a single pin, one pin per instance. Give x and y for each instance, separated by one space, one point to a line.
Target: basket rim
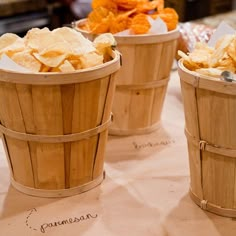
136 39
53 78
203 81
194 73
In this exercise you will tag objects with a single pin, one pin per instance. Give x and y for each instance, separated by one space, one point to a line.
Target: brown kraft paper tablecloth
145 191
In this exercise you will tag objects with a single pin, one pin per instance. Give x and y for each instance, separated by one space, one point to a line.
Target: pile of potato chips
212 61
118 15
60 50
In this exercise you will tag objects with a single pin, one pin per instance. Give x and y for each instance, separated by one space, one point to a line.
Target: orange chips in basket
140 24
212 61
169 16
118 15
108 4
60 50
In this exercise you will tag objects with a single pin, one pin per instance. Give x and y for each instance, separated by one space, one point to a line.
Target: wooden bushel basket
210 113
142 80
54 128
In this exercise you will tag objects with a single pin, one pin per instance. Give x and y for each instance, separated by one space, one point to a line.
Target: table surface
145 191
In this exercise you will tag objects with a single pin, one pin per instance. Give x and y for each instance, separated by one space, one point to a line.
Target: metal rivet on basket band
55 138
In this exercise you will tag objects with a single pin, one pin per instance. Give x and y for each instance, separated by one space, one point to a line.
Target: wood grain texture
51 128
144 62
211 133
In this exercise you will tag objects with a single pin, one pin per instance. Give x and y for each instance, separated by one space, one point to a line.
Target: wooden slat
142 63
25 100
48 120
67 96
218 179
158 103
108 101
216 115
86 105
128 64
140 108
191 123
11 117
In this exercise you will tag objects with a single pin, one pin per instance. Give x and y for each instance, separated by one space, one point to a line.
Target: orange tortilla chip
130 4
170 17
145 7
108 4
98 14
140 24
121 22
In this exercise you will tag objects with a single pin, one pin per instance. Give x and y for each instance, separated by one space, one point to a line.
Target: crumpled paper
7 63
222 29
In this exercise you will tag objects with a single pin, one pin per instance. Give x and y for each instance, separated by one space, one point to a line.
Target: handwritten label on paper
151 144
43 228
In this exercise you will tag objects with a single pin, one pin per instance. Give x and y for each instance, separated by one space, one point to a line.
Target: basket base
59 193
207 206
138 131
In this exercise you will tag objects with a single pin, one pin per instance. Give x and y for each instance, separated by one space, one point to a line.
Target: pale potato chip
232 49
104 41
45 68
220 49
200 57
212 61
76 63
63 49
51 61
183 55
227 63
91 59
188 63
57 49
26 60
204 46
215 72
77 41
66 67
55 69
7 39
17 46
37 39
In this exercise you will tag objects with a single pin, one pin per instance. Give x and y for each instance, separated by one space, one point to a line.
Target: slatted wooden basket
142 81
210 113
54 127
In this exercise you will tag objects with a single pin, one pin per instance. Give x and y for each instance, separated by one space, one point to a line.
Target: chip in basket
140 24
7 39
60 50
115 16
212 61
26 60
108 4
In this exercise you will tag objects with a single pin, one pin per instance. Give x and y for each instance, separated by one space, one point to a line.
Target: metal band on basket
55 138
